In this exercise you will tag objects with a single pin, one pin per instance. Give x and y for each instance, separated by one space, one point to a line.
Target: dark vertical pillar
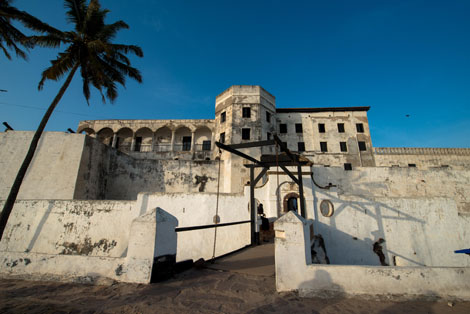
252 205
301 192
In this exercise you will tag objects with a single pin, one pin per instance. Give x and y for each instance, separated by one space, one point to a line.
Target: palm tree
101 63
10 36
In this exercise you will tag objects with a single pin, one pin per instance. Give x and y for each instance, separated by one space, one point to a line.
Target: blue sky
399 57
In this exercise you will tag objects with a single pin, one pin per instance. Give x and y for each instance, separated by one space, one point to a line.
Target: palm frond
59 67
76 10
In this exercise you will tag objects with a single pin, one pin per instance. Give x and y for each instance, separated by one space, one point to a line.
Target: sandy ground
194 291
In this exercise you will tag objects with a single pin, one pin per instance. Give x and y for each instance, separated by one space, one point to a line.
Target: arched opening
163 139
291 202
143 140
88 131
183 139
203 138
124 139
105 136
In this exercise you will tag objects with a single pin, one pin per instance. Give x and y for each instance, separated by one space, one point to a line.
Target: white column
133 143
193 148
114 140
172 140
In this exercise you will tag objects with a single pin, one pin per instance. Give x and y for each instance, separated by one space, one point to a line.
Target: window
282 128
301 146
268 116
321 127
362 146
245 134
360 128
323 147
268 136
222 117
186 143
412 165
206 145
298 128
138 144
222 138
343 146
341 127
246 112
347 166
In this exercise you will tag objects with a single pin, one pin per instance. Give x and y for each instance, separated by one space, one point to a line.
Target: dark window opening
347 166
298 128
246 112
222 138
360 128
301 146
323 147
206 145
362 146
341 127
321 127
186 143
412 165
223 116
282 128
292 204
268 136
138 144
268 116
343 146
245 134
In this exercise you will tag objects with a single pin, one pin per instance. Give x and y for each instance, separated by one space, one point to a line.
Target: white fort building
110 200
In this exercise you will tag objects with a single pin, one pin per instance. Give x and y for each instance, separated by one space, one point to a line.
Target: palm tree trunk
8 206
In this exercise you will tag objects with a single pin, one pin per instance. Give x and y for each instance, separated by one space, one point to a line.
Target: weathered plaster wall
422 214
92 228
58 243
52 172
76 166
312 137
294 271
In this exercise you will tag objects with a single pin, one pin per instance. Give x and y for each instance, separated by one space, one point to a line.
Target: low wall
86 261
294 272
192 210
55 239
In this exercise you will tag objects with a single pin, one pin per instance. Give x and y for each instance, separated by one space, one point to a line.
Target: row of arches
163 140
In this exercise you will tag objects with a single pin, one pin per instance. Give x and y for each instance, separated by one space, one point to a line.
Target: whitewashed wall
199 210
294 271
57 239
422 214
57 154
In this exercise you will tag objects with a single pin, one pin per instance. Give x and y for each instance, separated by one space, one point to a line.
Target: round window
326 208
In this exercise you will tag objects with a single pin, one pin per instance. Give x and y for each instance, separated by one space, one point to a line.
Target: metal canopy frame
289 160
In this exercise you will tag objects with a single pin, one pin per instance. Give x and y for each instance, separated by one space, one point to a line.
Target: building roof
327 109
